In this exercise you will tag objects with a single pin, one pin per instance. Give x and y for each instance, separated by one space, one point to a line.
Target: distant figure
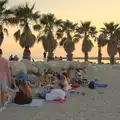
44 55
56 58
11 58
33 60
4 78
16 58
60 58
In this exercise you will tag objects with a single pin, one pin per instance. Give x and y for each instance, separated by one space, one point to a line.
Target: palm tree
87 31
118 48
111 31
4 14
67 34
101 43
24 16
47 33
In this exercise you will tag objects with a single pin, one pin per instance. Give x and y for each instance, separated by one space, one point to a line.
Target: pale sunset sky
96 11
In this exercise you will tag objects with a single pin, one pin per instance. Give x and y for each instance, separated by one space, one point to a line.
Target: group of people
56 85
12 89
13 58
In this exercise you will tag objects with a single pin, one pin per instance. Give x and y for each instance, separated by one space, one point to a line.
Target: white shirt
55 94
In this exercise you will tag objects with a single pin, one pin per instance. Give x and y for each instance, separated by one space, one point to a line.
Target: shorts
3 86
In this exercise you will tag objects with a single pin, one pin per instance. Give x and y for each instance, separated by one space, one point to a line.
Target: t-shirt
55 94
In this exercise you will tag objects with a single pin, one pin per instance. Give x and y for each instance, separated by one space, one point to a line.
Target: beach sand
97 104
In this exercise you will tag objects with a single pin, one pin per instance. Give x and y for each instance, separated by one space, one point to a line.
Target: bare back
3 69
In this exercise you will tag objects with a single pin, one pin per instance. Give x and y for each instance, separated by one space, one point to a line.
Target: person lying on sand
56 94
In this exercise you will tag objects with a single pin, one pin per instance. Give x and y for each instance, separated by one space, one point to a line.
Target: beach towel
100 85
35 103
58 101
73 92
75 85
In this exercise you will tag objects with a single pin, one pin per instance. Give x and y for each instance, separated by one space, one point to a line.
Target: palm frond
62 41
85 25
11 21
35 16
59 33
76 40
26 12
1 28
41 38
37 27
17 35
91 44
3 3
6 31
8 11
58 22
43 19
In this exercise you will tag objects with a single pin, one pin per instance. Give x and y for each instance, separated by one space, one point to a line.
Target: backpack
91 85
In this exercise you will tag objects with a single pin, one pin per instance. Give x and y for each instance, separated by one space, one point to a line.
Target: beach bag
91 85
42 95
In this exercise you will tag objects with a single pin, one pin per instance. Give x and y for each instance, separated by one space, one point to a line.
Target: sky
96 11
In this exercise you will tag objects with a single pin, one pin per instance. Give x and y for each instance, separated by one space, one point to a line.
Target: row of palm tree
52 31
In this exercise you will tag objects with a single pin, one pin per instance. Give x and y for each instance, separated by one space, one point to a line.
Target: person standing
44 55
4 78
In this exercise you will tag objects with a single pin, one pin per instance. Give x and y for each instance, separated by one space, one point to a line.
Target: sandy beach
58 62
98 104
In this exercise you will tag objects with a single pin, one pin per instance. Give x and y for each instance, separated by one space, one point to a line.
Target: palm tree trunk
69 57
86 56
1 37
50 56
27 53
99 55
119 53
112 59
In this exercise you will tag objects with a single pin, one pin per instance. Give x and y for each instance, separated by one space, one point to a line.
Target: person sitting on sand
11 58
66 82
24 95
16 58
78 76
44 55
